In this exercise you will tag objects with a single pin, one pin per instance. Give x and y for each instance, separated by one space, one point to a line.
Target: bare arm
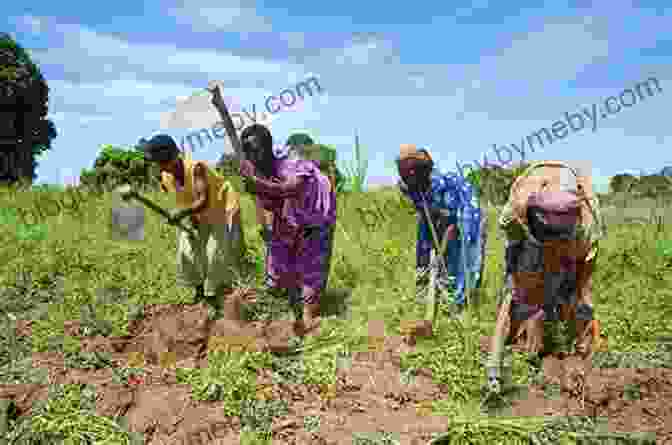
200 191
200 188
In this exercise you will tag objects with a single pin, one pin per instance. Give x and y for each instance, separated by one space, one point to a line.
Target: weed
311 424
258 415
50 281
229 377
379 438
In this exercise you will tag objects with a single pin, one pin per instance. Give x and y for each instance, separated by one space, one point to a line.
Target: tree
325 155
652 186
25 131
118 165
494 182
298 139
622 183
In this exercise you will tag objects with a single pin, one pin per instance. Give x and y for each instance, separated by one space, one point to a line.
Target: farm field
99 341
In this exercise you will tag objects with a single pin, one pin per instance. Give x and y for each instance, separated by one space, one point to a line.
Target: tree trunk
24 161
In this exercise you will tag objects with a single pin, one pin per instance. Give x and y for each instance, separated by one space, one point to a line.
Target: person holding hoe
444 202
303 205
211 260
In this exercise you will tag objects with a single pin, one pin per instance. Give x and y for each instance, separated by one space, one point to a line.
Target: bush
116 166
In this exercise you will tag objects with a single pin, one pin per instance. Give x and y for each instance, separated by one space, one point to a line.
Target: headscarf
420 161
160 147
410 151
447 190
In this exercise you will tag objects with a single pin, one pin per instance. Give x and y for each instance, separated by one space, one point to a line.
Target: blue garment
457 199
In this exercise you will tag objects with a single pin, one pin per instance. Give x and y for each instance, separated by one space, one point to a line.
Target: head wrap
411 152
160 147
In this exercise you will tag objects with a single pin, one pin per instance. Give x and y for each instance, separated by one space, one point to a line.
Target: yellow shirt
223 204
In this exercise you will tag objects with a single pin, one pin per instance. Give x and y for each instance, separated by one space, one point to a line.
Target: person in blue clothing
455 213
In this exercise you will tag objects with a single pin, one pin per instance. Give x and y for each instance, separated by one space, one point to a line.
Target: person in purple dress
303 205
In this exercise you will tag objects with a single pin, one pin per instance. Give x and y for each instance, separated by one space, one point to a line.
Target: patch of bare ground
633 400
369 395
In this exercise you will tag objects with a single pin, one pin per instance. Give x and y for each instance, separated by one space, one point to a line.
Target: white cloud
85 50
459 111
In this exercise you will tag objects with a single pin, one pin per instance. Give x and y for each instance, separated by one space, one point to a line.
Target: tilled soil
583 390
369 394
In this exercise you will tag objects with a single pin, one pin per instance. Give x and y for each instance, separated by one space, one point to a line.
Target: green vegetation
116 166
24 91
356 169
50 279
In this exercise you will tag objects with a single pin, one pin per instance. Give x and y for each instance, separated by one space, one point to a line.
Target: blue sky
456 77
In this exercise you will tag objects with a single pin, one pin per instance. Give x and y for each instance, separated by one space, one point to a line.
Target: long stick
434 267
431 296
219 104
157 209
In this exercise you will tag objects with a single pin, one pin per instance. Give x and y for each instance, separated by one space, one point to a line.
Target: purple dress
304 214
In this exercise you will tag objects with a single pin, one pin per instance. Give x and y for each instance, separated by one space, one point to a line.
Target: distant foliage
298 139
493 184
24 98
116 165
229 165
325 156
622 183
657 186
304 146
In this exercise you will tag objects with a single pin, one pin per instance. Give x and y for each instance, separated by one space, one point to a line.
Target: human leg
423 247
454 271
584 309
190 262
224 251
312 259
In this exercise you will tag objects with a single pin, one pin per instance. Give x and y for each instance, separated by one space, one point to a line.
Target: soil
600 392
369 395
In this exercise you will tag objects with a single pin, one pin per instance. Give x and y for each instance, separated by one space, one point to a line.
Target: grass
50 278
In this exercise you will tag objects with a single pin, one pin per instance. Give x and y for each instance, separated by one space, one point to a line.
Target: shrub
115 166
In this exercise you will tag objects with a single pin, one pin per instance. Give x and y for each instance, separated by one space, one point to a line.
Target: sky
454 77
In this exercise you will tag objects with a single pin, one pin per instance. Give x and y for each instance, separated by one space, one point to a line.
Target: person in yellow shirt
210 261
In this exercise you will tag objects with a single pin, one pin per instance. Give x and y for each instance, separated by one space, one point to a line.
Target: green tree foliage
494 183
116 165
324 155
229 165
23 109
307 148
298 139
622 183
653 186
625 188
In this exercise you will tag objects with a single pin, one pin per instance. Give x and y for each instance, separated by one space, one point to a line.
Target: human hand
247 169
451 232
215 89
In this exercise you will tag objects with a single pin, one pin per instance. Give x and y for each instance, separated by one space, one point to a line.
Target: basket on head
551 176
